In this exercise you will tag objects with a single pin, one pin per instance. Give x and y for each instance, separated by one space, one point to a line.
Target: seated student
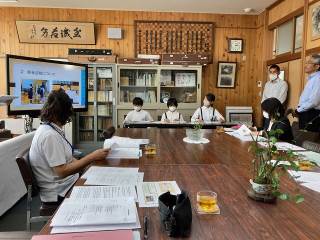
172 115
207 113
50 154
138 115
273 111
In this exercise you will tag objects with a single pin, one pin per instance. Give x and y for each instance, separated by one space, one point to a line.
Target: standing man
309 104
275 87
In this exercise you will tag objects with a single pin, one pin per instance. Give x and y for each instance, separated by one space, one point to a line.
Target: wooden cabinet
155 84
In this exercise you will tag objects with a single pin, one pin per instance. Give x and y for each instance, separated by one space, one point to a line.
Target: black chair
32 190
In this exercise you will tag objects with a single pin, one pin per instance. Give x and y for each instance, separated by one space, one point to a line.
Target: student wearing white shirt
138 114
172 116
207 113
50 153
275 87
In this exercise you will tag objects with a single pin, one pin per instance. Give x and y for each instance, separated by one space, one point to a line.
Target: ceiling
197 6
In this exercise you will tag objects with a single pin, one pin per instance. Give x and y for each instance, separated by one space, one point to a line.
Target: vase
261 188
194 134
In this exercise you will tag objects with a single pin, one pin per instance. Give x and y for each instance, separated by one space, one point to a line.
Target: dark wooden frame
229 45
235 75
154 21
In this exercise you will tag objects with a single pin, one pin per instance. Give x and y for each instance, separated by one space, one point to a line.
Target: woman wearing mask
172 115
273 112
207 113
50 153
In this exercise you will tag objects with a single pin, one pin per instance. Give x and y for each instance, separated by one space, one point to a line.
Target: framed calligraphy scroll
158 37
55 32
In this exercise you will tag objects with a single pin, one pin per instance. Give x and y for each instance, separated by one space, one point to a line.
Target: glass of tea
150 149
207 202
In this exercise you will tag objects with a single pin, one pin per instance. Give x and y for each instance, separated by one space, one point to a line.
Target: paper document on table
124 153
284 146
102 235
106 192
96 170
115 179
315 186
243 131
92 228
124 142
311 156
149 192
306 177
245 138
95 212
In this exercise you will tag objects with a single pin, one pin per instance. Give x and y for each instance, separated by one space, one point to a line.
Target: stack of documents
112 176
310 180
81 215
149 192
103 235
284 146
125 148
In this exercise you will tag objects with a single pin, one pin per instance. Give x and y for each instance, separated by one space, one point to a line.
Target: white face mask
137 108
273 77
265 114
172 108
206 103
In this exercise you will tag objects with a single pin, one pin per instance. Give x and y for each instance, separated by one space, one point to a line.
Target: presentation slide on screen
32 82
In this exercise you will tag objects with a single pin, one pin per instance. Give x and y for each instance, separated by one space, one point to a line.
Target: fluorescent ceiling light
8 1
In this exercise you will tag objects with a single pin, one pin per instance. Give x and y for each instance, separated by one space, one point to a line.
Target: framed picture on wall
315 21
226 74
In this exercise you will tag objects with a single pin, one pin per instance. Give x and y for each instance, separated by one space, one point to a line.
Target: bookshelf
101 105
155 84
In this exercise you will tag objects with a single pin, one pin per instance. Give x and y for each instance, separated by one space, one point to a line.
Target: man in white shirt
275 87
207 113
309 104
137 114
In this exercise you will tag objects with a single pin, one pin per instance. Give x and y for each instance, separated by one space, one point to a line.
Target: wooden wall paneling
294 82
226 25
283 9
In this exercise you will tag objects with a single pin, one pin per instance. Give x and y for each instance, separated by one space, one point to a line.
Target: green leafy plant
197 125
266 171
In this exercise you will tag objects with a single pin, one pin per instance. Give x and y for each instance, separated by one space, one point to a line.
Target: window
298 35
288 36
284 38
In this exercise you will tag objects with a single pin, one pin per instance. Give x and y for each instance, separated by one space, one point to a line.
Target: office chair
32 190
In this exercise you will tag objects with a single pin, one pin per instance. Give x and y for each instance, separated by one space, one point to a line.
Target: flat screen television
32 79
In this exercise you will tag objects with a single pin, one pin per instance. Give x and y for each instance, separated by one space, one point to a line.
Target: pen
145 231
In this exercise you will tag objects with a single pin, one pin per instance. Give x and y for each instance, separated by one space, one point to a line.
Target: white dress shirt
310 97
48 150
275 89
208 115
172 117
141 116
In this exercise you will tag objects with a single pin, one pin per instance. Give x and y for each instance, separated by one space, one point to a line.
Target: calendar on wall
158 37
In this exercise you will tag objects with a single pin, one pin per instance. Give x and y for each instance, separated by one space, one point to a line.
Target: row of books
102 96
104 83
104 110
86 123
147 96
90 111
145 79
86 136
104 123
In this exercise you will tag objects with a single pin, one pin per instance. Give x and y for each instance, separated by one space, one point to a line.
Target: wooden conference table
221 166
